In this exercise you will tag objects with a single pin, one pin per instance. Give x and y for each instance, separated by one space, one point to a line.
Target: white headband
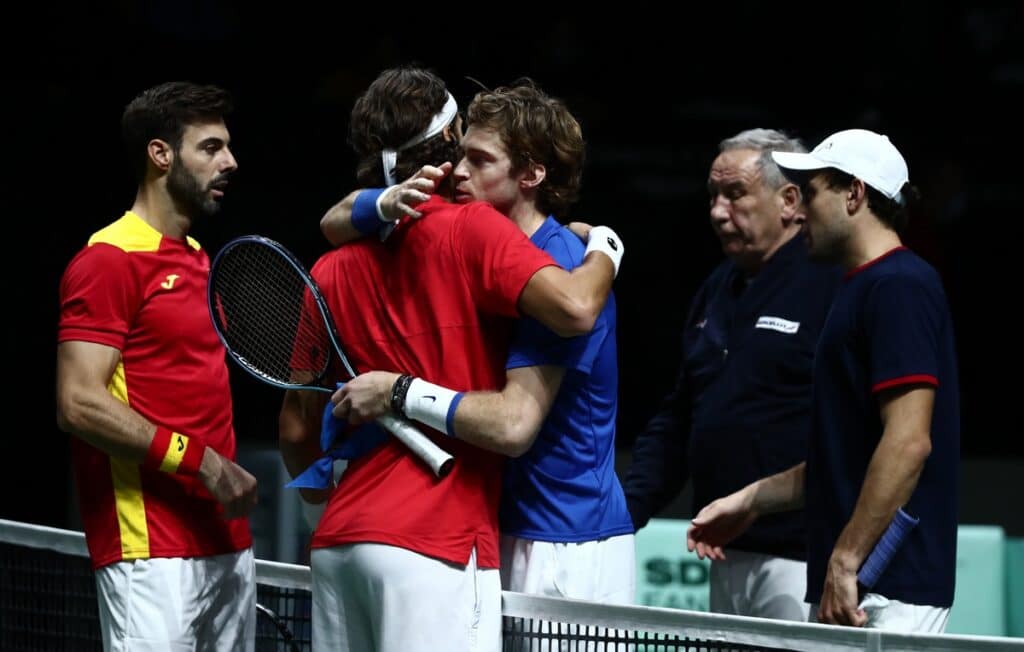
437 124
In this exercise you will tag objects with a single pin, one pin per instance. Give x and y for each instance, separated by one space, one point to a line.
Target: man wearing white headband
402 560
885 438
441 120
565 528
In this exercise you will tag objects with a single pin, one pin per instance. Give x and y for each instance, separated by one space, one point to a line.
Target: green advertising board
666 574
669 576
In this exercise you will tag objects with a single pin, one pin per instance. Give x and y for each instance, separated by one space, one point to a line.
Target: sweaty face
200 169
485 171
745 213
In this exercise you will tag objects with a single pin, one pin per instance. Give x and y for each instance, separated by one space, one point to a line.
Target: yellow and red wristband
173 452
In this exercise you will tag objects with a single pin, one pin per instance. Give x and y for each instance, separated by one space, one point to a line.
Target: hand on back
399 200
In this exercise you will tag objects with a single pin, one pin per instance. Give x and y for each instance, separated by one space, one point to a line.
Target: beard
825 247
188 195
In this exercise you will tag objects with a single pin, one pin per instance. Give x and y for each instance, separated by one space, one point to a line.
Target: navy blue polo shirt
890 326
741 409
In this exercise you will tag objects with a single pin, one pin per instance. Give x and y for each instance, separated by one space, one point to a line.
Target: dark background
654 93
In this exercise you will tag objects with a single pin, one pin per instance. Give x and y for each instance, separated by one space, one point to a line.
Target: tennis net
48 602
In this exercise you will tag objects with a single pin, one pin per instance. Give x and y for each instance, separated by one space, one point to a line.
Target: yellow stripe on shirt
129 502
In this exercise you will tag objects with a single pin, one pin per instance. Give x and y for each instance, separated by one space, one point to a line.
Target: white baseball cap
866 155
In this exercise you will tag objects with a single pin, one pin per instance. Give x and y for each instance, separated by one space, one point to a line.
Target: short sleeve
903 321
99 297
534 344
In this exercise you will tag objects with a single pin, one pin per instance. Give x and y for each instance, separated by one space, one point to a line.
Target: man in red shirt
402 560
142 384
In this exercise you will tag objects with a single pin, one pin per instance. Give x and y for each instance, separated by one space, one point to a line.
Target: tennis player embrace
565 528
402 560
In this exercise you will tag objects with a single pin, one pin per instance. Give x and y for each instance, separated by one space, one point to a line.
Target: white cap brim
798 161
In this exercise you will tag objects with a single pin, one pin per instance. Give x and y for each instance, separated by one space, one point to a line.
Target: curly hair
397 106
535 127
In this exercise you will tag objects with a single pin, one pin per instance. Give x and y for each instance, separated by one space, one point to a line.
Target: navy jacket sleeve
659 468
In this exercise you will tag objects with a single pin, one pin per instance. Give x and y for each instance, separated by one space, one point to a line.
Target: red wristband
173 452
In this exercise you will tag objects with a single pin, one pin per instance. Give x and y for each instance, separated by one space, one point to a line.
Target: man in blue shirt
886 432
566 531
741 408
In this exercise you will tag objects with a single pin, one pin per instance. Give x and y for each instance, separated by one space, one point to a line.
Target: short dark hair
893 213
396 107
164 111
535 127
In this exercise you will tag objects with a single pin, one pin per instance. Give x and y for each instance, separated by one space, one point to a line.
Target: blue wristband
449 421
364 211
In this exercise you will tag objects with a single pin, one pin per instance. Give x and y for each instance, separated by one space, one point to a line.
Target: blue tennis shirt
564 489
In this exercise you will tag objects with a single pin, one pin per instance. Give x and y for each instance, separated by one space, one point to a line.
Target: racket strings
267 315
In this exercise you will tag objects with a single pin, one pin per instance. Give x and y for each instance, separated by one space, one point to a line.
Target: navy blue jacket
741 408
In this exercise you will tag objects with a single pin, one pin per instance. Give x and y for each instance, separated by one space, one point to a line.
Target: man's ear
161 154
453 131
533 175
792 203
856 195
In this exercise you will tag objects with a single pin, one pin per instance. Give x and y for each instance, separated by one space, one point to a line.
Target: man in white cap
885 440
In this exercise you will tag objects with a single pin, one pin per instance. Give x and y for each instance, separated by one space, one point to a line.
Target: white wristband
432 405
606 241
380 213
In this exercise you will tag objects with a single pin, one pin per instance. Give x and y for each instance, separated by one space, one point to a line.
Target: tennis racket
274 322
886 548
272 633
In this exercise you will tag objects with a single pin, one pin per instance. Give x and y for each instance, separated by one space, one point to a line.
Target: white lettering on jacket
778 324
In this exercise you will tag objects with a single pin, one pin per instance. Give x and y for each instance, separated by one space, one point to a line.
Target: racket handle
439 460
886 548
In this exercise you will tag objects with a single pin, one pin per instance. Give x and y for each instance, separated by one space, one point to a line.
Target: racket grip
439 460
886 548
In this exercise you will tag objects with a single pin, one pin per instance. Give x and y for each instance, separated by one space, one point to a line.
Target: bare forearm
569 302
492 421
336 224
504 422
106 423
117 431
889 482
892 473
298 430
780 492
591 283
87 409
508 421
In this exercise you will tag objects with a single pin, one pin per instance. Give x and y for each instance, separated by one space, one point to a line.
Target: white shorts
763 586
896 616
172 604
599 571
370 597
